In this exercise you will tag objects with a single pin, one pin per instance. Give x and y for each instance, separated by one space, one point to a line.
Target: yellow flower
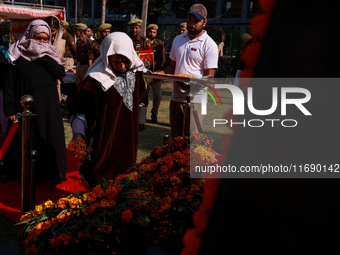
39 209
74 202
62 203
26 217
48 204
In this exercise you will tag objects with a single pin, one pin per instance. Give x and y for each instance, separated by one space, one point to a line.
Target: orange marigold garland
152 203
193 237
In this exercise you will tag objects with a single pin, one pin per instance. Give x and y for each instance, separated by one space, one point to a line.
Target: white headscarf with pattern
113 44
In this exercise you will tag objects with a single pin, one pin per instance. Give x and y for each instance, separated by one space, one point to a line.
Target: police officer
140 42
70 46
84 53
159 60
104 30
182 28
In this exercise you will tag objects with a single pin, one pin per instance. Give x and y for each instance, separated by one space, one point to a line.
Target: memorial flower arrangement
150 204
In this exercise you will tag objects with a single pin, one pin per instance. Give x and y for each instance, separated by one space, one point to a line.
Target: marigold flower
26 217
98 191
62 203
188 198
105 228
39 209
74 202
126 215
48 204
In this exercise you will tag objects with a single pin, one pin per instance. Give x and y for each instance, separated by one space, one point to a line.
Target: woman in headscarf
58 42
107 105
35 68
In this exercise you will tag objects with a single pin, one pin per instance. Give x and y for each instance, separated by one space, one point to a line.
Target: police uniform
97 42
70 50
141 42
96 48
83 54
159 59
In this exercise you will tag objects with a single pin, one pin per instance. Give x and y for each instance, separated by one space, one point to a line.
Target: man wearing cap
84 53
140 42
70 46
182 28
159 60
104 30
193 53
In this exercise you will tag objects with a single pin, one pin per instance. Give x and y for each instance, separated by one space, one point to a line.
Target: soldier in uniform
159 60
140 42
70 46
182 28
104 30
84 53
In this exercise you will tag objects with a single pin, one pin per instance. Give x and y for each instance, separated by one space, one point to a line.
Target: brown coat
112 128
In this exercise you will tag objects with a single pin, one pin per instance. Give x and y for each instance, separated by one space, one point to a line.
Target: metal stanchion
27 200
186 122
165 139
33 177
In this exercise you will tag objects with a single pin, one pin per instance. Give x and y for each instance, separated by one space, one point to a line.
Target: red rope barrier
8 139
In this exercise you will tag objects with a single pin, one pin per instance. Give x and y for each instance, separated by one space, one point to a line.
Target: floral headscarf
31 49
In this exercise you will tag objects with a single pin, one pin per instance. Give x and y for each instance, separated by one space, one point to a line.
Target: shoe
153 118
141 127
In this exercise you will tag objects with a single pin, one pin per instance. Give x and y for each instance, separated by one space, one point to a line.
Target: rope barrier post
186 122
165 139
33 177
27 102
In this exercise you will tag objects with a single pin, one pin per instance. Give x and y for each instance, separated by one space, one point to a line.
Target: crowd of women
105 109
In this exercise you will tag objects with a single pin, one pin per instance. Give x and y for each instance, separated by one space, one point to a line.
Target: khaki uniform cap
64 23
80 26
184 24
152 26
102 27
136 22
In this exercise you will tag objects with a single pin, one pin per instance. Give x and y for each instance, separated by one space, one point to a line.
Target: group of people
108 106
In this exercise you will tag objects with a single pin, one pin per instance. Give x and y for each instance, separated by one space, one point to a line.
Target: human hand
11 117
76 137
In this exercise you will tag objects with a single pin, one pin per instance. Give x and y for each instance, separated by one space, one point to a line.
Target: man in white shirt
193 53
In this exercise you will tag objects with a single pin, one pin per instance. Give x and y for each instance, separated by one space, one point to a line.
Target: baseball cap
199 11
